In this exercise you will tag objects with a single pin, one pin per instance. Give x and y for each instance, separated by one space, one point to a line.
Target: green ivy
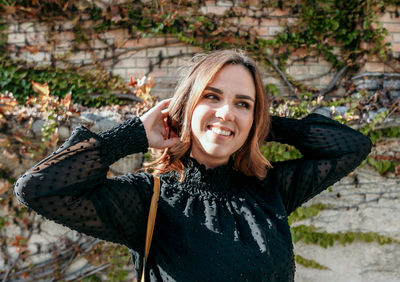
117 271
276 152
91 278
3 221
321 25
391 132
370 127
310 235
16 77
302 213
50 125
309 263
382 166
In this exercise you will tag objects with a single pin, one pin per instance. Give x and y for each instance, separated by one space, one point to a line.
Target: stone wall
161 57
362 202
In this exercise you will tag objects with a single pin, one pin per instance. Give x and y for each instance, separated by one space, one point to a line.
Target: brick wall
127 56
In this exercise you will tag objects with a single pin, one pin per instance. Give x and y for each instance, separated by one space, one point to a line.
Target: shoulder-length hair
248 159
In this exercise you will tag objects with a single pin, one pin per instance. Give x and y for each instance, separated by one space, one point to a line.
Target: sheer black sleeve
71 185
330 151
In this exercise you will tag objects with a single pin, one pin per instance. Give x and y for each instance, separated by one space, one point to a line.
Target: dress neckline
197 176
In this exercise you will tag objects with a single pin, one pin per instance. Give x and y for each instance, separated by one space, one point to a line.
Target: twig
120 96
45 269
388 124
283 76
332 83
160 59
19 255
84 273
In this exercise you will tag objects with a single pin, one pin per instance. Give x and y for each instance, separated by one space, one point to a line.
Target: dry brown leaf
66 102
10 155
4 186
42 89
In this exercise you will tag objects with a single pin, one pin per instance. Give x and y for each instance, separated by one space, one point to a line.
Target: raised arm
70 186
330 151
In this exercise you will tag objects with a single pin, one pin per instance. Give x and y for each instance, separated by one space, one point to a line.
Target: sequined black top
216 225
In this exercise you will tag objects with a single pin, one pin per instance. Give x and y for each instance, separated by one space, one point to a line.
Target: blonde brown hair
248 159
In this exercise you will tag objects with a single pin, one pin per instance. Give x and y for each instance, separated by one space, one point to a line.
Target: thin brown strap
151 220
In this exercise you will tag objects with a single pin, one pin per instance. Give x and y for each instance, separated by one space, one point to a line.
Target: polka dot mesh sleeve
331 151
71 188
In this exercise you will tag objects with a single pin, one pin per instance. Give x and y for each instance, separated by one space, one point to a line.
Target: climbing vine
340 32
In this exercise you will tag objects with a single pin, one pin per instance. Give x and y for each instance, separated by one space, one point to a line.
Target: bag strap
151 220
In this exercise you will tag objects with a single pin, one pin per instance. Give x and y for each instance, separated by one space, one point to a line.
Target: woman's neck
208 161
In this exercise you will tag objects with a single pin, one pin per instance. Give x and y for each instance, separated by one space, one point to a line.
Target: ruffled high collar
213 179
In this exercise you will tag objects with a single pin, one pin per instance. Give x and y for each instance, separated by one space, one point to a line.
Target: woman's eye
211 97
243 104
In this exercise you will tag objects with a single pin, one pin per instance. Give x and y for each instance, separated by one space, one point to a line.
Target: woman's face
223 117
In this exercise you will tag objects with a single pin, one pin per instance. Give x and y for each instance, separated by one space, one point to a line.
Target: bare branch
333 82
14 263
281 73
119 96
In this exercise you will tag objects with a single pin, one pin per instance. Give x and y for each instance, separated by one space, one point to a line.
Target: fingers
163 104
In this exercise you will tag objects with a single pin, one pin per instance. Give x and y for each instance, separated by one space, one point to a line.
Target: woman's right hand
155 124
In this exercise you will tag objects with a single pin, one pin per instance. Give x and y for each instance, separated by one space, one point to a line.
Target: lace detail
212 179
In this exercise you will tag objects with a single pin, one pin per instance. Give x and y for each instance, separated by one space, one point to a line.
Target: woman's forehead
236 79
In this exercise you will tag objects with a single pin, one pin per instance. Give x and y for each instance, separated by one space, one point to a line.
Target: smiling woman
223 117
222 211
219 92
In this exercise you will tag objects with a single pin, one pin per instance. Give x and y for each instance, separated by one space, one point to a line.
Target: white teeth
220 131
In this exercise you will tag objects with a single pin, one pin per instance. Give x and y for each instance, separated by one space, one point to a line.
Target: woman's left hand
158 133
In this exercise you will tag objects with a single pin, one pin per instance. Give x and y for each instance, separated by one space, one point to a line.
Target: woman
222 212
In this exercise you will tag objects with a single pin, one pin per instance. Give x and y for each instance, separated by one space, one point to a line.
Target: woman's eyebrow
239 96
216 90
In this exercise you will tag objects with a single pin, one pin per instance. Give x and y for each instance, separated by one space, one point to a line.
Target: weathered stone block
177 50
392 27
262 31
12 28
217 10
126 63
395 47
127 164
37 38
224 3
396 37
273 30
299 71
63 132
155 52
115 34
318 70
121 72
13 38
391 84
26 27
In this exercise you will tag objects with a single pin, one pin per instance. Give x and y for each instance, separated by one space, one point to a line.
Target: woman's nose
225 112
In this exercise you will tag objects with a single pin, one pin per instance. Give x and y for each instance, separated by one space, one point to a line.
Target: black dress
216 225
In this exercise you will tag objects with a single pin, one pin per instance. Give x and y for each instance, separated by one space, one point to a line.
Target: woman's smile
223 117
220 131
